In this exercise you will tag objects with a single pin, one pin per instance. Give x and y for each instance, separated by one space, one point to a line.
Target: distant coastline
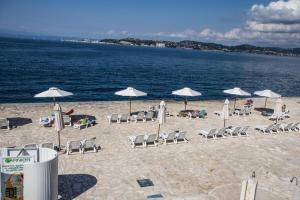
195 45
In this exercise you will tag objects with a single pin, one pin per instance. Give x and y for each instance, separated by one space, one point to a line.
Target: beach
195 170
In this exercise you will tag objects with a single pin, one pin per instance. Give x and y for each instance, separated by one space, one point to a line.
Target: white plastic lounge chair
218 112
286 127
49 145
140 117
151 140
45 121
29 146
208 134
234 132
170 138
73 146
265 129
180 137
4 123
276 128
124 118
137 141
296 127
67 120
89 145
220 133
113 118
149 116
243 131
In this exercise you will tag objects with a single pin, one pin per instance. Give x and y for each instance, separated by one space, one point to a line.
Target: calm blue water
95 72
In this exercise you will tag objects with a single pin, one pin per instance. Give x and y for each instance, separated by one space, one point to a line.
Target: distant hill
189 44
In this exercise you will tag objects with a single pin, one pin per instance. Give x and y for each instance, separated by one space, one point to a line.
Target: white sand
195 170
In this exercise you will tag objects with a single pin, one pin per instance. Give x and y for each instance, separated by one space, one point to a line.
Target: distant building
160 45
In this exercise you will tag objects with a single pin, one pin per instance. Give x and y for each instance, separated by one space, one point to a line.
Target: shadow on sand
71 186
19 121
269 110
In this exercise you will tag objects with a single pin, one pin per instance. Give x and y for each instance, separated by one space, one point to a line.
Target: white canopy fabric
237 91
267 93
59 122
225 111
162 113
186 92
130 92
54 92
277 110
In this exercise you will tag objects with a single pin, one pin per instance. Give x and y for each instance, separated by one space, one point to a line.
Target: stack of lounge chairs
173 137
278 128
193 114
224 132
141 116
4 123
81 146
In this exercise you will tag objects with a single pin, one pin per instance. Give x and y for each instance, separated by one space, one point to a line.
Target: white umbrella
54 92
59 122
225 111
130 92
161 115
277 110
267 94
187 92
236 91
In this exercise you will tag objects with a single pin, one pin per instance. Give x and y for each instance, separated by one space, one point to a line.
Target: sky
258 22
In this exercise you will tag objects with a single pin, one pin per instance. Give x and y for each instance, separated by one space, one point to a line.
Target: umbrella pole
234 103
158 130
185 103
58 135
224 122
266 102
129 106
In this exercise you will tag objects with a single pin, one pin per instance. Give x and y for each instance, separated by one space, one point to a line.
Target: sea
94 72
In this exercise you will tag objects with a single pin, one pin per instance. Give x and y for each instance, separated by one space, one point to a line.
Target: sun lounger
151 140
218 112
169 138
32 145
67 120
137 141
234 132
149 116
286 127
74 146
208 134
265 129
83 123
45 121
89 145
243 131
180 137
296 127
49 145
140 117
124 118
220 133
276 128
113 118
4 123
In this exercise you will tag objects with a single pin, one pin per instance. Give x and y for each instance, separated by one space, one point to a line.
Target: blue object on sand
154 196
